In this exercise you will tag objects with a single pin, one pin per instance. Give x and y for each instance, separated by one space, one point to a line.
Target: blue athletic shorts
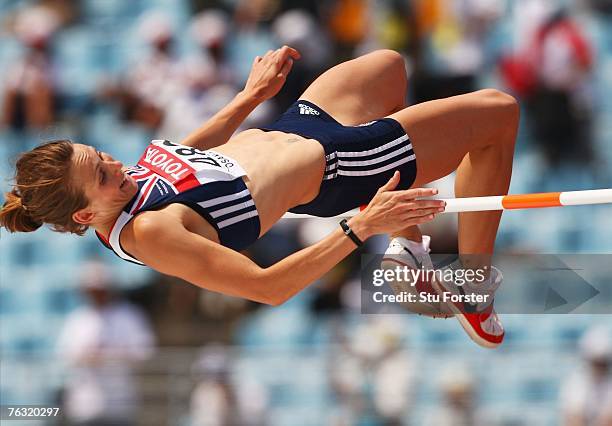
359 159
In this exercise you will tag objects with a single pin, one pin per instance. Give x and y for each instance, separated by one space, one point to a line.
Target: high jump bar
512 202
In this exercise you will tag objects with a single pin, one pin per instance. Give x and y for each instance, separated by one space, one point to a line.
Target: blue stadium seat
96 9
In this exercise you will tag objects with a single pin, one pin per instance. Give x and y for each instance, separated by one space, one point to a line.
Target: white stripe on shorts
375 160
235 219
378 170
230 209
375 150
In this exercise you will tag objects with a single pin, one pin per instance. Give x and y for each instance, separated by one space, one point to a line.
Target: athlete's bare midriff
283 171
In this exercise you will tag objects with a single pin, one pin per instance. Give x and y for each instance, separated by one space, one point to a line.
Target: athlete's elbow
277 300
275 296
274 288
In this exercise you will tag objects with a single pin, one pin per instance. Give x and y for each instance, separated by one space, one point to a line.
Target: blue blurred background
114 343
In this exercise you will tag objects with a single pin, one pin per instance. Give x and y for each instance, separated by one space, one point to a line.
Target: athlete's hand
392 211
268 73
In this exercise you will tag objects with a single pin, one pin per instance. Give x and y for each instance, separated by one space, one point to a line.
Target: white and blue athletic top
206 181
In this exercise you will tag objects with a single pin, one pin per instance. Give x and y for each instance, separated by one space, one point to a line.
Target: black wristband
349 233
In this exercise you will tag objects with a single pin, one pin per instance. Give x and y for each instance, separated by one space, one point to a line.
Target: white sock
457 264
415 247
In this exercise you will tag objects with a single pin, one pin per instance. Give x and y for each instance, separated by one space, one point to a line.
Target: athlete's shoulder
147 230
150 222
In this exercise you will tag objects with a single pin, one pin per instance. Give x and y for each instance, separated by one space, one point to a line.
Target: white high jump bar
512 202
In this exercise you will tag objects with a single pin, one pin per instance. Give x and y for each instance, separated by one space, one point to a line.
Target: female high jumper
186 210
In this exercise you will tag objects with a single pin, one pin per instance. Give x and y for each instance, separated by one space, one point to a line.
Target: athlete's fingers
286 68
411 194
422 212
418 204
417 220
286 52
404 212
391 184
277 58
294 53
424 219
257 59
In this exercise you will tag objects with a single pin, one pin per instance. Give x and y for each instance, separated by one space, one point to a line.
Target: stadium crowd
115 344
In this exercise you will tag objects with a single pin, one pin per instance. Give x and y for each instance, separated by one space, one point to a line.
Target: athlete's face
105 183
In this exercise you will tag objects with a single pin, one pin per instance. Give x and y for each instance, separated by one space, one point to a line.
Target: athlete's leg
475 135
347 91
363 89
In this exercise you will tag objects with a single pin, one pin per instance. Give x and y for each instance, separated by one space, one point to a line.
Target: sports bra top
206 181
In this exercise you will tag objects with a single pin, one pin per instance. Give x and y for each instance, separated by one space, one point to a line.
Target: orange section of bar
527 201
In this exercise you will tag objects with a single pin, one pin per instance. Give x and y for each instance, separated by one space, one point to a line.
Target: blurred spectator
299 29
348 22
551 71
100 342
452 35
458 406
255 12
69 11
329 292
392 26
586 396
371 377
217 401
373 370
250 36
394 377
347 383
205 83
210 30
603 6
155 80
29 101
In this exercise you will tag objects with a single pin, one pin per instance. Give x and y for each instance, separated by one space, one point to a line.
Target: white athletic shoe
406 253
479 320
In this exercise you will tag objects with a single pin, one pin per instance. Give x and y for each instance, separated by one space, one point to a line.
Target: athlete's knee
393 61
504 108
398 63
391 55
511 113
394 73
510 106
501 101
498 115
387 54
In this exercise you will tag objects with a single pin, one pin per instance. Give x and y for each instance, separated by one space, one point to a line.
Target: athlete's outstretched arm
173 250
267 76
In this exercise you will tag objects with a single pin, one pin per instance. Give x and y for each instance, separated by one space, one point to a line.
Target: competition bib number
177 162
